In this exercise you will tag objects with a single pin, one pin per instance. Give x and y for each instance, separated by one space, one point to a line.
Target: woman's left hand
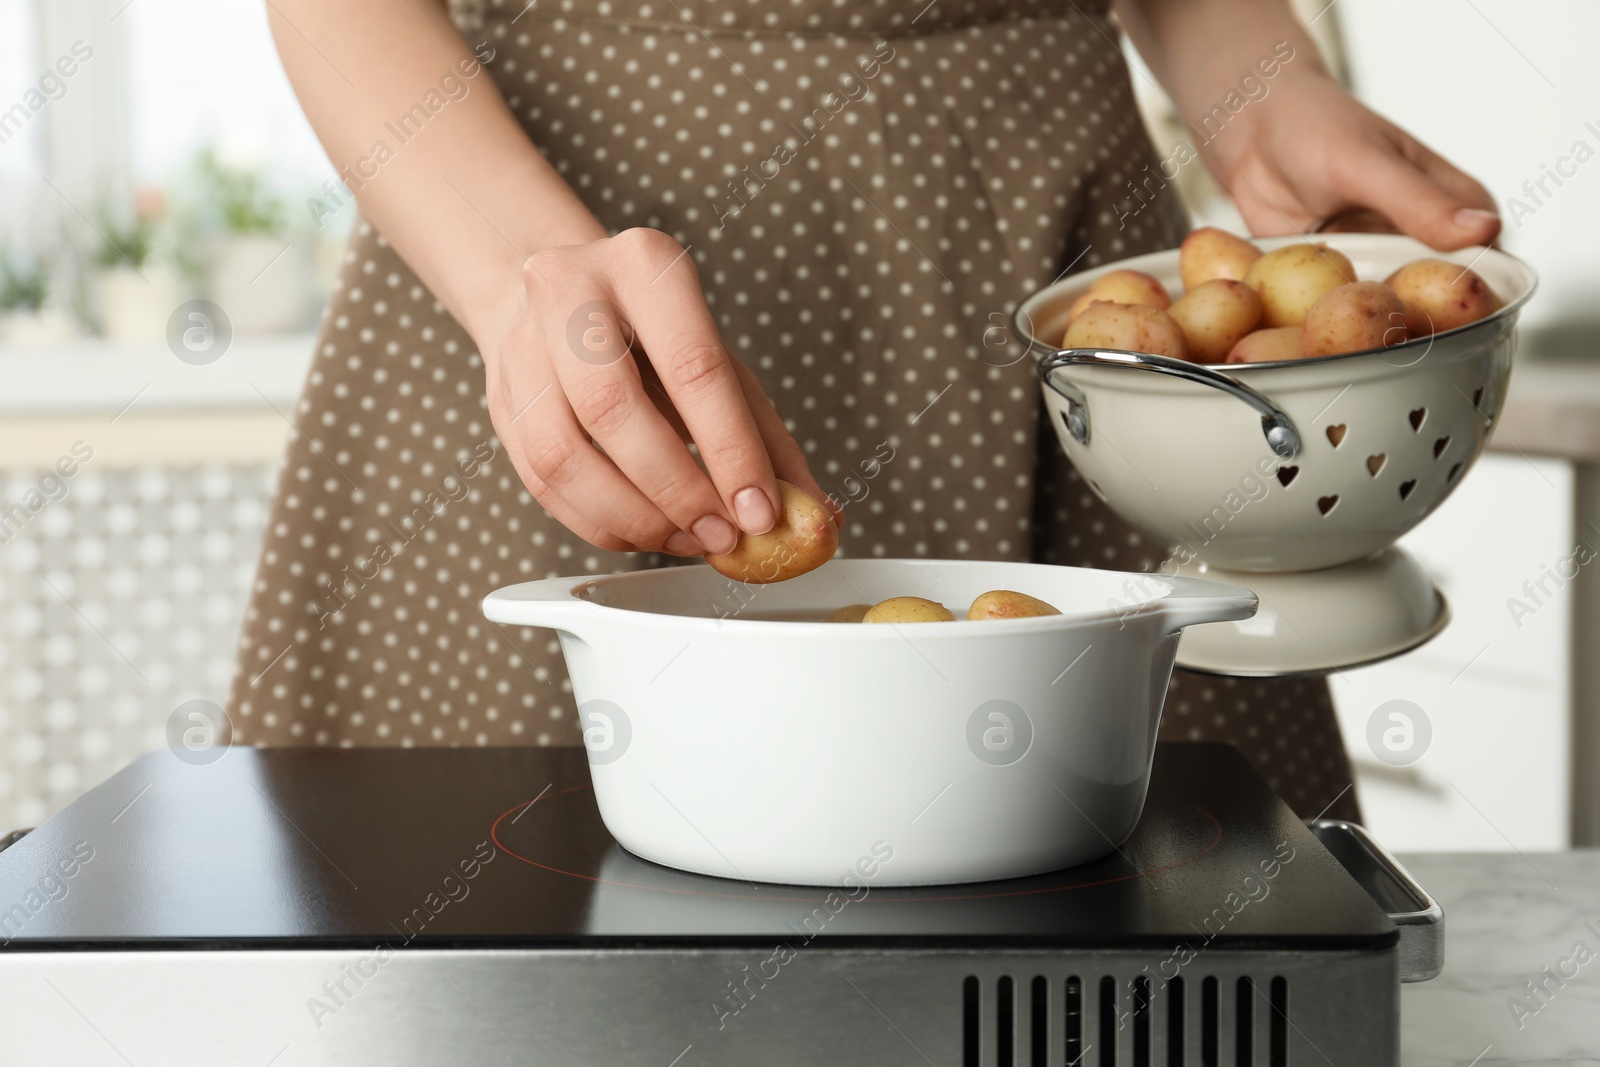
1311 157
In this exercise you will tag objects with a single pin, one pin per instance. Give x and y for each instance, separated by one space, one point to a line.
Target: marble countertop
1507 918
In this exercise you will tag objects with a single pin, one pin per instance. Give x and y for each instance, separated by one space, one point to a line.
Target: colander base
1317 622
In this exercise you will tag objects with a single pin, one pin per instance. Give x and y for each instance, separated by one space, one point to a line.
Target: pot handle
548 603
1276 426
1194 601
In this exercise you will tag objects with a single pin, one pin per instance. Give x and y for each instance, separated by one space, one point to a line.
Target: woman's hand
1310 156
594 425
1306 155
608 361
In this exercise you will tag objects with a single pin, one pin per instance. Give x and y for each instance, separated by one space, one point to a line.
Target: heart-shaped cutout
1336 435
1375 463
1440 445
1417 418
1326 504
1287 475
1454 470
1406 487
1477 398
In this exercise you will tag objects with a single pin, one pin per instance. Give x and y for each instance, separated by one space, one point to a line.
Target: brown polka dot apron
866 189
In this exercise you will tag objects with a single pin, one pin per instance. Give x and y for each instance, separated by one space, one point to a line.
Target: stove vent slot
1278 1048
1208 1022
1107 1030
1175 1031
1006 1030
1074 1019
1141 1022
1244 1019
971 1050
1041 1021
1023 1022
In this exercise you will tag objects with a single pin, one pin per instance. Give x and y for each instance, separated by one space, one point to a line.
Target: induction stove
310 906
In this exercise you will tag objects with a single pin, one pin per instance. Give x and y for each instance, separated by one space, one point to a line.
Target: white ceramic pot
725 742
1384 436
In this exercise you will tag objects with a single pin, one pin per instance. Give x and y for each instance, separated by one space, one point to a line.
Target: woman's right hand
607 362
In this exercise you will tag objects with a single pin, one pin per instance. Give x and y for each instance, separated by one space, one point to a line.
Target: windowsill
89 375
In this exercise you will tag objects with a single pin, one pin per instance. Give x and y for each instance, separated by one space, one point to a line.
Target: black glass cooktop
505 847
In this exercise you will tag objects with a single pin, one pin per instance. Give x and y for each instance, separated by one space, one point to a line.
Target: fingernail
754 510
1474 217
681 544
715 533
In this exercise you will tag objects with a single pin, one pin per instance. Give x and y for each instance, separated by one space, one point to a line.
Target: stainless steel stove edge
690 1007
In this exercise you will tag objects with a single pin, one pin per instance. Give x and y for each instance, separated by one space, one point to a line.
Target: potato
908 609
1008 604
1082 302
1354 318
1214 315
803 540
1128 327
1267 346
1440 295
1123 287
850 613
1291 279
1210 253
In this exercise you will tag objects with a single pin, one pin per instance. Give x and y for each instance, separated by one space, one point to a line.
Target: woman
653 215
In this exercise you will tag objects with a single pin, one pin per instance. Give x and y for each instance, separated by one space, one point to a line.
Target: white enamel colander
1289 466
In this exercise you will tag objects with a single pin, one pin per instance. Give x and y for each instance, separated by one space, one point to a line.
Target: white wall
1502 88
1493 687
203 70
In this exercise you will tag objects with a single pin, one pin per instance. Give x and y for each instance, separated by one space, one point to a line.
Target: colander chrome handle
1276 426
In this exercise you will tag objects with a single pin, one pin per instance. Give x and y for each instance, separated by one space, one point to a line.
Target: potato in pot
908 609
1008 604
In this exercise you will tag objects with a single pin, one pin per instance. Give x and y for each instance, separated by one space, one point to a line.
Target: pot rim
1187 600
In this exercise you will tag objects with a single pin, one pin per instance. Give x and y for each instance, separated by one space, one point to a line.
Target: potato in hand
804 539
1214 316
1127 328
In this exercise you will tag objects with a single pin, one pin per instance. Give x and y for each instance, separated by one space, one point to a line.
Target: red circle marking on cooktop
494 834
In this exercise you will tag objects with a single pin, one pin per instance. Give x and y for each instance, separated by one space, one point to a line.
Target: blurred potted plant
258 274
24 289
137 281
